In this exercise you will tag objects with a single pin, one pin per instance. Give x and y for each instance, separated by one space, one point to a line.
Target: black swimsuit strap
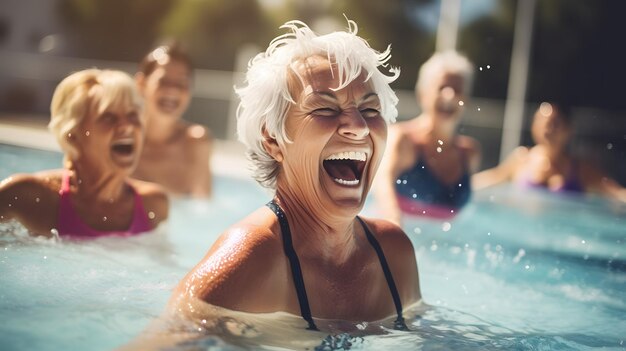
399 323
294 262
298 279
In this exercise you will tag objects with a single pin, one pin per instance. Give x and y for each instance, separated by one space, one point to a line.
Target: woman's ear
271 146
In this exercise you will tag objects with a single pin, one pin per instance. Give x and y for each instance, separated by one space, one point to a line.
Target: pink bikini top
70 224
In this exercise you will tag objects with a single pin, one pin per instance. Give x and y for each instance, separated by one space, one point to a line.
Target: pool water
513 271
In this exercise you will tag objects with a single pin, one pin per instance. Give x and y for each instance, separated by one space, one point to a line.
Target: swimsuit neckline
296 270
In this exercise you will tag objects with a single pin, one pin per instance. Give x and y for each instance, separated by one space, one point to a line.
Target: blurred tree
577 55
393 22
487 41
214 30
112 29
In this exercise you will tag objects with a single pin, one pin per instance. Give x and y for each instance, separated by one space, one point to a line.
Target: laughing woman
314 115
97 120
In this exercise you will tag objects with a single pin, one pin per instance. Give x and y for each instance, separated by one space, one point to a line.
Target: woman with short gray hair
314 113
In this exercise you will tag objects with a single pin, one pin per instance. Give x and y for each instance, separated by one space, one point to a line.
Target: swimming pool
514 270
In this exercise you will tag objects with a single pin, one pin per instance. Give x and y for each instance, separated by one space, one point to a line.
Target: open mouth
168 103
123 147
346 168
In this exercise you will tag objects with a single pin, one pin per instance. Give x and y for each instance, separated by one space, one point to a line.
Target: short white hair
265 98
445 62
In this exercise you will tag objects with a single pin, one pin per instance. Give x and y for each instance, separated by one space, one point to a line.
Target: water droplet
488 233
45 257
460 185
440 142
582 241
404 181
104 219
451 211
480 68
37 199
545 108
461 103
69 135
488 66
609 146
204 321
446 226
151 215
439 149
15 198
54 232
414 196
527 267
478 108
87 133
398 181
417 230
10 205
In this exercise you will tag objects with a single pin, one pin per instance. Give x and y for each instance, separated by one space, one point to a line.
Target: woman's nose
126 125
353 125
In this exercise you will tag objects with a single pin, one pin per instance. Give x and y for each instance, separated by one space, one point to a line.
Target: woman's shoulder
256 234
43 181
244 258
195 133
389 235
154 197
467 143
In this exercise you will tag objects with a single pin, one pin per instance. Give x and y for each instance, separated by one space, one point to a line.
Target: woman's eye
325 112
108 118
133 117
369 112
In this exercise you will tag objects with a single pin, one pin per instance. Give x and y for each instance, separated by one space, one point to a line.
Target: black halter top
298 279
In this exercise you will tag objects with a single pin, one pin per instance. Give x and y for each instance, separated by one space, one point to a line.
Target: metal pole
518 77
448 28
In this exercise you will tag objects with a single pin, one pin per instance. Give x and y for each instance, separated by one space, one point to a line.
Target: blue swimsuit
420 192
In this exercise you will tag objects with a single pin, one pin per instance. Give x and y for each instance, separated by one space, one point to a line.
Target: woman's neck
161 129
430 130
328 237
554 153
97 186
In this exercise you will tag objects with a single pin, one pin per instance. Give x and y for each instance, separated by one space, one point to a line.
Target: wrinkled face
167 89
338 138
445 97
549 127
111 139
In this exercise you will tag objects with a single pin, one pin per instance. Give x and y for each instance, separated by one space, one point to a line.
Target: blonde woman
96 116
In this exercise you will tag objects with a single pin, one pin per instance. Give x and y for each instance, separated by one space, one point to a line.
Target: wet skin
109 143
246 269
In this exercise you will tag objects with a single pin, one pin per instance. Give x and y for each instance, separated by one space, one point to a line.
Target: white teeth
348 155
346 182
125 141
